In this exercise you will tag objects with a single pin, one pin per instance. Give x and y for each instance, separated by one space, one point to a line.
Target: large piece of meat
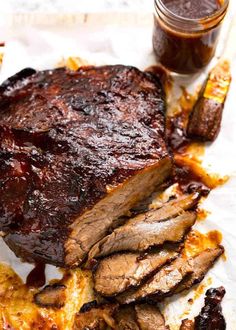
77 151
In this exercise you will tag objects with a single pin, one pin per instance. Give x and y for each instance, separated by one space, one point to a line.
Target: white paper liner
33 40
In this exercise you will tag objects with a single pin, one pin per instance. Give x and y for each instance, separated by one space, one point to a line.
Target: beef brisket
202 262
118 272
170 209
142 234
77 150
163 283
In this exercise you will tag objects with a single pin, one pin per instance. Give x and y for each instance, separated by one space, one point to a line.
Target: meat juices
186 32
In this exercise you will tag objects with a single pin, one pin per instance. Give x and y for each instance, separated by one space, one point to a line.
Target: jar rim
195 23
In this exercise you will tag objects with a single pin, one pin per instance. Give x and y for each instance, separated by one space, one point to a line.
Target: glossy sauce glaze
181 48
58 143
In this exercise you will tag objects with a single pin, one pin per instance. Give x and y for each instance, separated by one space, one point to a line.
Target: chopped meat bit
187 325
140 317
205 119
96 318
126 318
87 306
211 317
51 296
149 317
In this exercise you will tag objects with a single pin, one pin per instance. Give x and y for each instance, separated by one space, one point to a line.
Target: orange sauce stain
187 100
224 257
194 151
197 242
1 58
200 290
211 180
202 214
72 63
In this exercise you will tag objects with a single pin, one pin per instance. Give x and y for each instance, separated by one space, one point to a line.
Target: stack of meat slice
143 259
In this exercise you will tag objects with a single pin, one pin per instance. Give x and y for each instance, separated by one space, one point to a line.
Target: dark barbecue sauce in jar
186 32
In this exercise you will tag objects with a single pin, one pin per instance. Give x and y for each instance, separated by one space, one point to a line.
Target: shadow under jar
186 32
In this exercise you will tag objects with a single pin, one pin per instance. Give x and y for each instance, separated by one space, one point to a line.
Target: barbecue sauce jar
186 32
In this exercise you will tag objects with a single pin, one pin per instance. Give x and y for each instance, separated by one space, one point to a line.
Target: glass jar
185 45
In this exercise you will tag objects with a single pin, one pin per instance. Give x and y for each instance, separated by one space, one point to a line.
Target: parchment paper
41 41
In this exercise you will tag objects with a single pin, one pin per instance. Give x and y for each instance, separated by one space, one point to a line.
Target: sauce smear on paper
197 242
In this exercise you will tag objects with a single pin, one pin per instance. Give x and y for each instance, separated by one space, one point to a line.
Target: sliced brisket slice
118 272
180 275
163 283
77 151
142 234
171 209
149 317
201 264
